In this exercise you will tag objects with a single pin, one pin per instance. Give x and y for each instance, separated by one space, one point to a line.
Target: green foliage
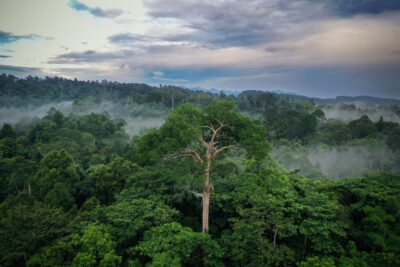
173 244
374 204
321 223
15 174
68 198
93 247
25 227
8 147
98 125
60 196
186 124
318 262
55 178
160 183
181 127
59 254
265 202
128 220
97 249
111 179
362 127
7 131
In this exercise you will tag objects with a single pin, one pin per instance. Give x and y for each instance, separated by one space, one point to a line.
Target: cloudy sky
315 48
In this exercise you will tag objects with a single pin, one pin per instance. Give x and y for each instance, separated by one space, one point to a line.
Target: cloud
98 71
95 11
21 71
171 80
234 23
275 49
128 38
355 7
89 56
221 43
16 68
7 37
158 74
228 23
316 81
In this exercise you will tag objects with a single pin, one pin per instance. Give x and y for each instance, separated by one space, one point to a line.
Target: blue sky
315 48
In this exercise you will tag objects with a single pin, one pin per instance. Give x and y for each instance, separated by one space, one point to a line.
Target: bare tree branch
211 127
194 154
187 153
215 133
219 150
202 140
219 122
197 195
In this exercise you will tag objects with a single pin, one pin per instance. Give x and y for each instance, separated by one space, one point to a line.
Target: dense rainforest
118 174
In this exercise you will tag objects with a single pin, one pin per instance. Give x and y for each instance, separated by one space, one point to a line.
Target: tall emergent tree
203 134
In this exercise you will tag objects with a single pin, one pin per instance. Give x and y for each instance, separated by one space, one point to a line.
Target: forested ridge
287 182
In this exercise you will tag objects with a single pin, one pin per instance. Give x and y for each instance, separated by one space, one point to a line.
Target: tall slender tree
202 135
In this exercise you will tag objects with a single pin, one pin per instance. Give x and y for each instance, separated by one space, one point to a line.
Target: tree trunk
172 102
206 195
305 246
206 206
276 232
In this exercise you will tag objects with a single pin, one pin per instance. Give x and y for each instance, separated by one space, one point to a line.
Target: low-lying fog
334 162
139 118
353 111
337 162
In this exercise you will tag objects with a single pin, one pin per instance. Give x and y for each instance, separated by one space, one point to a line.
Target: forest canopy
90 182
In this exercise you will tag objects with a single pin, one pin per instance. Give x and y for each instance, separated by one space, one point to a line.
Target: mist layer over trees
353 111
111 174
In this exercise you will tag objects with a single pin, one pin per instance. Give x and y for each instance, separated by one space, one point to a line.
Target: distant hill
57 89
368 99
241 93
316 100
215 91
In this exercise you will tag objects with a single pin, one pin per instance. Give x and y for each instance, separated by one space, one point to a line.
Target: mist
14 115
353 111
352 160
337 162
138 117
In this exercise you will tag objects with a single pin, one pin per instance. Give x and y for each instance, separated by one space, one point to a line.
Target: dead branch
202 140
215 133
187 153
216 152
195 155
197 195
219 122
211 127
